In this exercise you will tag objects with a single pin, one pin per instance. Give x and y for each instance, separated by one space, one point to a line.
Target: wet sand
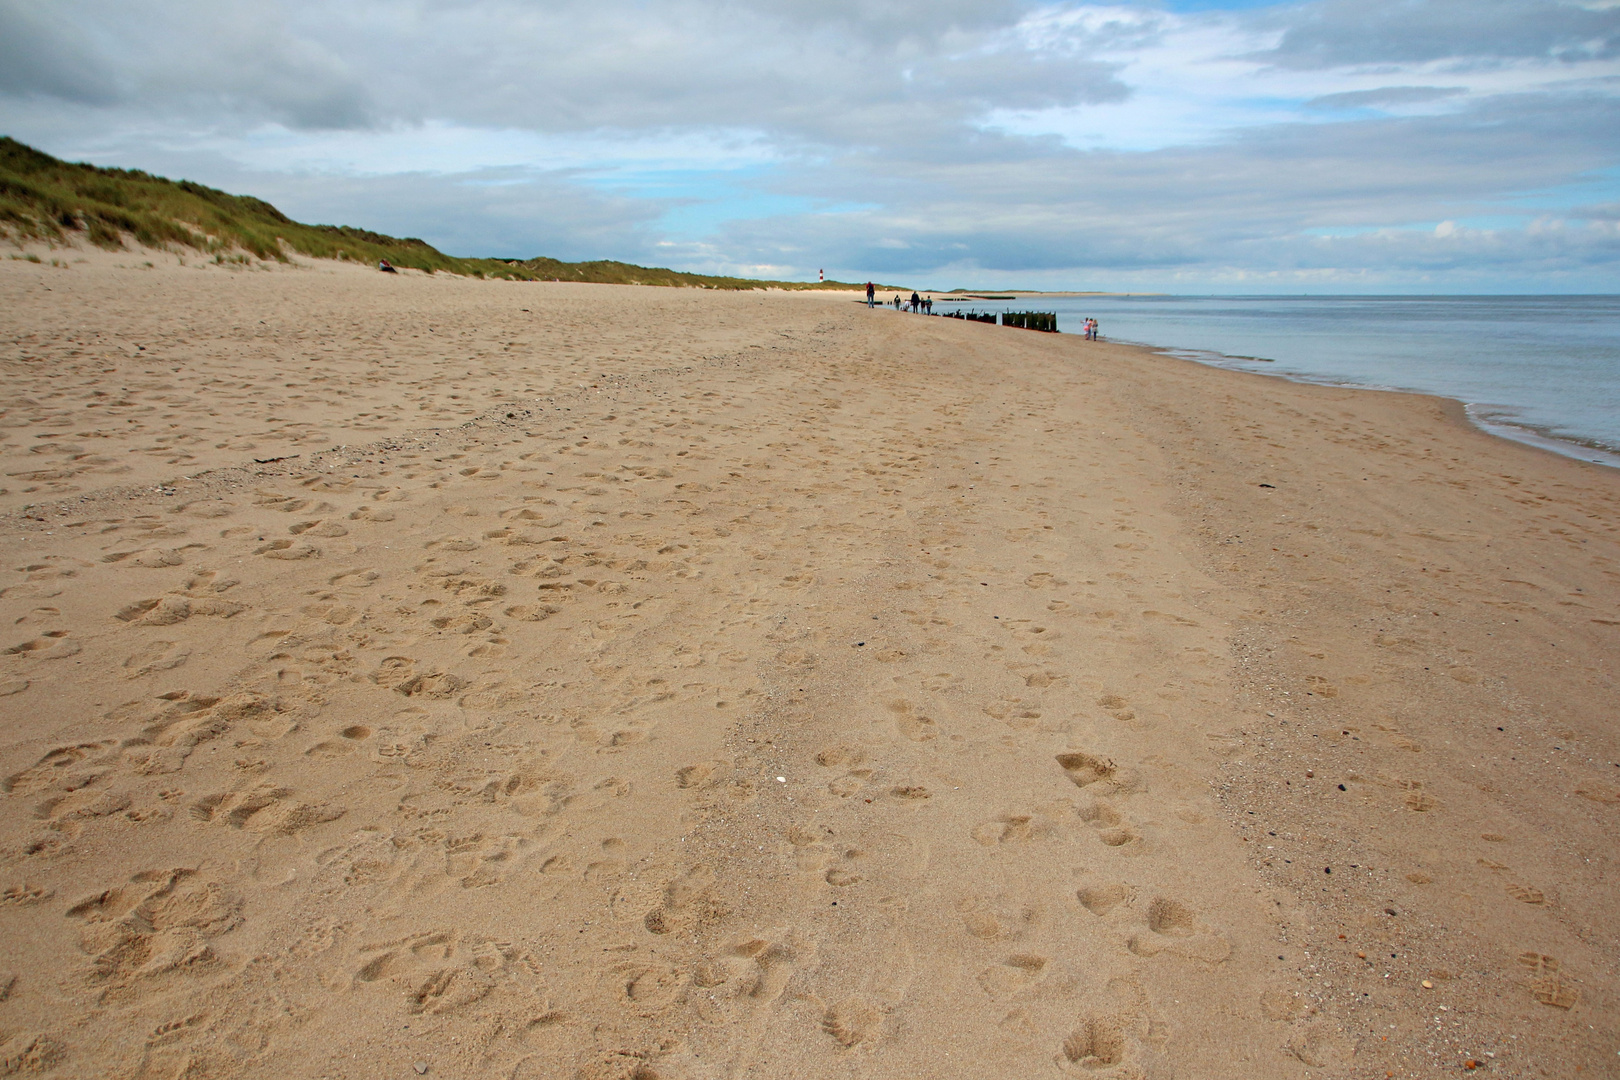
565 680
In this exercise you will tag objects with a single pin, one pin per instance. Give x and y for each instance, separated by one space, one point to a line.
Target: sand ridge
754 685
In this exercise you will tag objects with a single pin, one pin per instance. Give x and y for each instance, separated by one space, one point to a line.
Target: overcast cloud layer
1367 146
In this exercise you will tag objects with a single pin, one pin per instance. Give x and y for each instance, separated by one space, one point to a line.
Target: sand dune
617 682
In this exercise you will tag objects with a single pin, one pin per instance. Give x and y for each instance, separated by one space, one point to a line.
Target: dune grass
42 198
45 199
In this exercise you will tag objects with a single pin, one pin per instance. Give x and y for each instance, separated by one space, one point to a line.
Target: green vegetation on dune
45 199
42 198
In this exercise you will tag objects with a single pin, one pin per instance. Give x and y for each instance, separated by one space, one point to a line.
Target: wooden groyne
1045 321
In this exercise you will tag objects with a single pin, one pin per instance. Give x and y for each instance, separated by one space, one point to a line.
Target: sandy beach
422 675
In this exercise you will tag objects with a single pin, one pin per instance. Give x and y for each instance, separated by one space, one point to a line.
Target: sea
1541 369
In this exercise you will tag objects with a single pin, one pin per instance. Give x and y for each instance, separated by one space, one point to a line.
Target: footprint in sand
161 921
82 805
265 808
1117 707
65 768
462 623
833 756
1016 974
331 614
685 901
1174 928
1171 918
174 1030
176 608
1547 985
209 581
1096 1043
1012 829
155 656
531 612
843 873
1109 825
432 685
444 973
1320 1045
1102 899
52 645
751 974
38 616
1015 713
1088 770
344 744
918 728
288 550
1526 894
286 504
329 529
703 774
208 508
650 989
149 559
852 1021
1114 1040
999 918
30 1052
477 860
362 578
850 783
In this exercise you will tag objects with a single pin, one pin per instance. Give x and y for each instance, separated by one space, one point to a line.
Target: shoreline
606 677
1591 452
1493 418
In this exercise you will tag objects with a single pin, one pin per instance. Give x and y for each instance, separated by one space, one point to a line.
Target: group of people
925 305
921 304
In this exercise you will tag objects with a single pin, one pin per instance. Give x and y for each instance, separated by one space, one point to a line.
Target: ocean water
1542 369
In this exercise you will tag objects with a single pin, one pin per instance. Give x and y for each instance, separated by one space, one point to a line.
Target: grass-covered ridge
45 199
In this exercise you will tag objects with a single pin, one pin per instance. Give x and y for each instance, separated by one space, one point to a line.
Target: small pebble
781 779
421 1068
1427 985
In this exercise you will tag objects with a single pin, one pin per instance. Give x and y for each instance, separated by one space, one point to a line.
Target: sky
1188 146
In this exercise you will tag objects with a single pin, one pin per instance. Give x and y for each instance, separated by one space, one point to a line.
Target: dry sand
632 682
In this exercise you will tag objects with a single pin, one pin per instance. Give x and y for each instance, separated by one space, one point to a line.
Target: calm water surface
1544 369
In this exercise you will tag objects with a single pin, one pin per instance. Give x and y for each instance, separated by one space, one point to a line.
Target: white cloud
1060 140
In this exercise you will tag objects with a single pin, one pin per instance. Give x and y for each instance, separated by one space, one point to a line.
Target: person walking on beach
871 291
916 302
928 305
